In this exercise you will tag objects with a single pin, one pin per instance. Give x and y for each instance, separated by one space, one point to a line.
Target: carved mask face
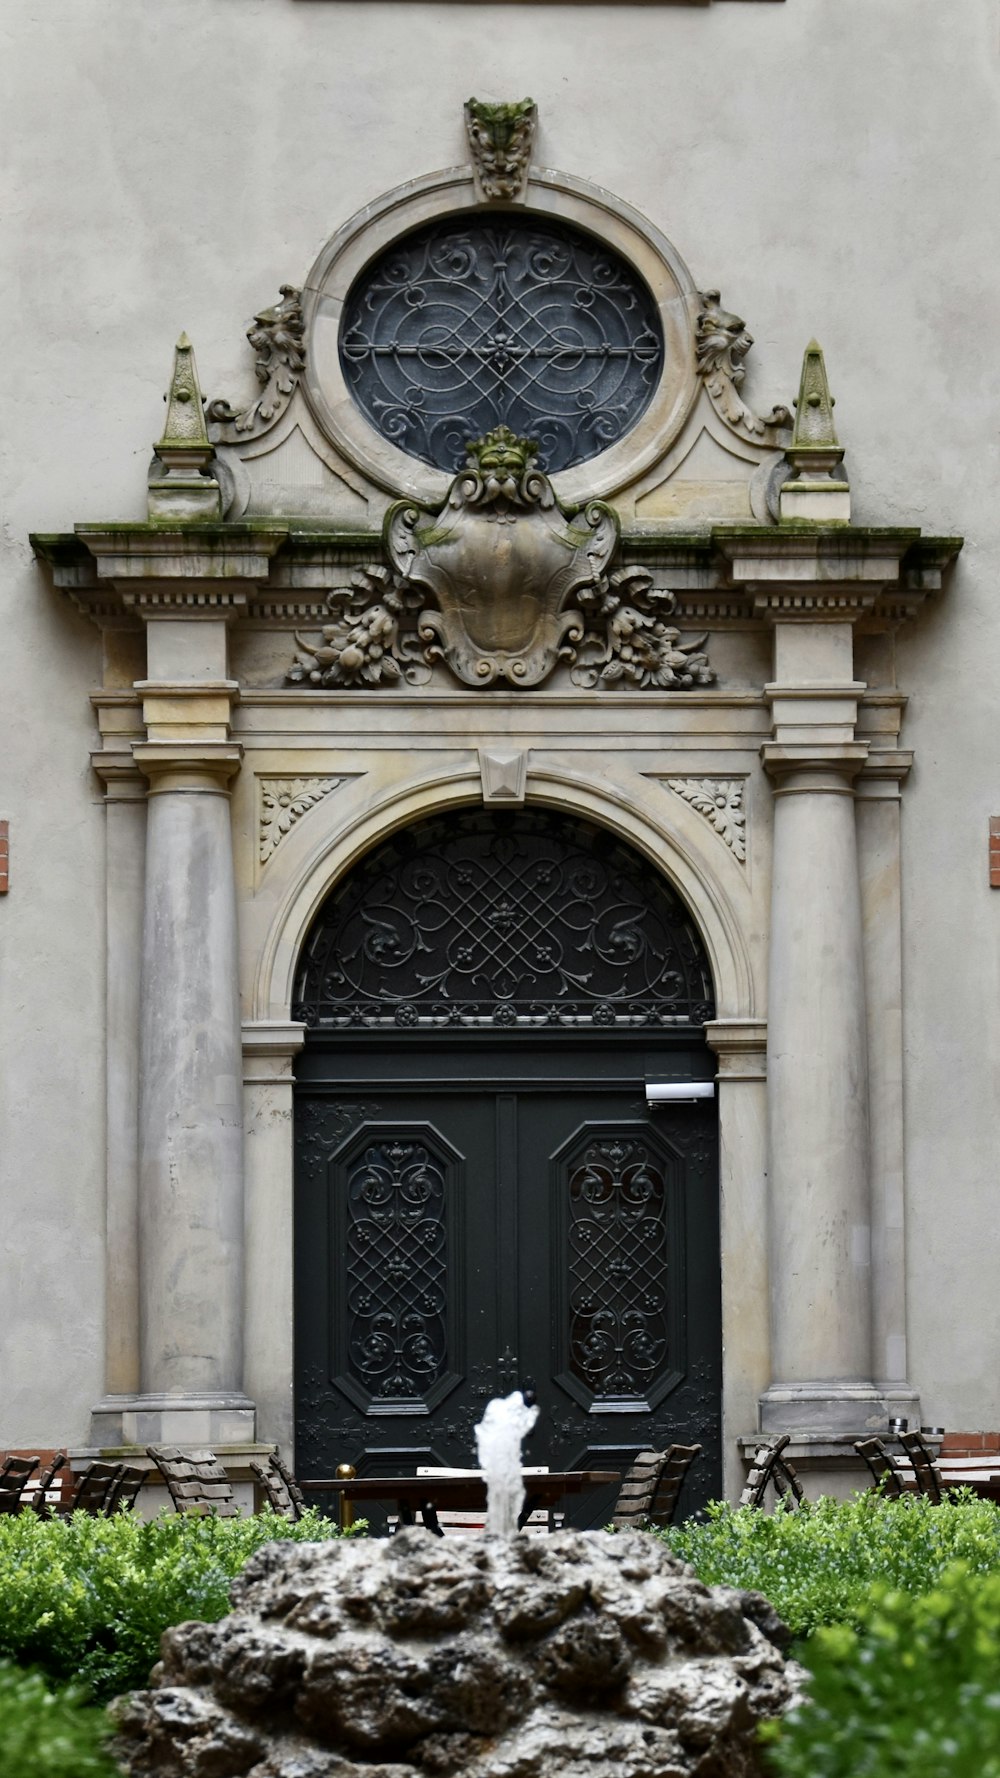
721 334
502 460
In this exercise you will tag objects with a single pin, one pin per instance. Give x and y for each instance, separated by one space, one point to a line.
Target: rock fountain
574 1655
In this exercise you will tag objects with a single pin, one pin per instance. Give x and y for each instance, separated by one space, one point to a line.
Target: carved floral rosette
501 584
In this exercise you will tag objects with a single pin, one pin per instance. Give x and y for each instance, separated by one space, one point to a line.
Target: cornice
278 574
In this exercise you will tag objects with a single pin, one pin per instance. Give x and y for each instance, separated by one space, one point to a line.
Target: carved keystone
504 776
501 139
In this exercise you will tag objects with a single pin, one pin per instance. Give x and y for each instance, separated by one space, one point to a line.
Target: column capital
741 1048
883 774
814 766
199 768
270 1047
123 782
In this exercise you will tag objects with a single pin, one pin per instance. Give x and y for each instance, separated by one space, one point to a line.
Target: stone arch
713 905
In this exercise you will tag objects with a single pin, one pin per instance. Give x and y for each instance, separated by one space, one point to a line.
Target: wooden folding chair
785 1480
122 1497
634 1506
279 1487
196 1481
40 1502
771 1469
678 1461
92 1489
14 1474
887 1477
925 1470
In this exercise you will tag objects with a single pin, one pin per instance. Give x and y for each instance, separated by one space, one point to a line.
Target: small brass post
345 1472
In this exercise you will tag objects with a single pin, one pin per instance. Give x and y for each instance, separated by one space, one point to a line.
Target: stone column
820 1214
878 799
741 1083
190 1109
269 1051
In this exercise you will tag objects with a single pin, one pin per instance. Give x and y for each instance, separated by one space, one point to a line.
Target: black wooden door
472 1216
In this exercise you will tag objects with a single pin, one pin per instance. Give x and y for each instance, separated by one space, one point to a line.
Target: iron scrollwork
618 1268
494 920
510 320
397 1270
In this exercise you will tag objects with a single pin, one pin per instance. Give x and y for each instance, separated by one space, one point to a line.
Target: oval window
482 321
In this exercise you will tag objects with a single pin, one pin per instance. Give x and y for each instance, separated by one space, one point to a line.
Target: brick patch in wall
4 857
969 1444
995 851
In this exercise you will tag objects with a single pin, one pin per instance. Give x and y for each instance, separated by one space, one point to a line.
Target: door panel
512 1214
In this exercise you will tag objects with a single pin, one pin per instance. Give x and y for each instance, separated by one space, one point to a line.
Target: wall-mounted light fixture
677 1092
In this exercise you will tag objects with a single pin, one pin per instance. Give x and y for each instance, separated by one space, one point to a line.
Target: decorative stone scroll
277 337
501 138
501 584
722 341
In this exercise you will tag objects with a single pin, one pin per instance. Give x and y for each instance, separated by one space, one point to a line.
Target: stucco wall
829 164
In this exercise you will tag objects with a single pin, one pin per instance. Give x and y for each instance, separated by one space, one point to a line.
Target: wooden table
426 1494
981 1474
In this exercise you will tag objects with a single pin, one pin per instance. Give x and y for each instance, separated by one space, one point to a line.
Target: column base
862 1409
212 1419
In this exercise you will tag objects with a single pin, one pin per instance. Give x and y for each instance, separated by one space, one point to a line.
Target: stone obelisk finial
180 485
814 494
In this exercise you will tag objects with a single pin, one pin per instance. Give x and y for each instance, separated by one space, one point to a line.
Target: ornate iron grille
618 1256
503 921
396 1270
479 322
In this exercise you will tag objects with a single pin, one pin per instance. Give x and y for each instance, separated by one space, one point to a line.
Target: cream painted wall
830 164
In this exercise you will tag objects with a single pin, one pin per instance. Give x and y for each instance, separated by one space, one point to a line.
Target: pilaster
269 1051
125 847
740 1046
878 800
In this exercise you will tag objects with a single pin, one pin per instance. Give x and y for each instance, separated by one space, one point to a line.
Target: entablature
279 576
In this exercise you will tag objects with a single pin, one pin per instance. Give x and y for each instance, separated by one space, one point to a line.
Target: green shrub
818 1565
915 1695
49 1733
88 1599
